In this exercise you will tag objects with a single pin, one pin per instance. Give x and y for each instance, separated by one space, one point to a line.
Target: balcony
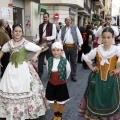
99 3
86 10
71 3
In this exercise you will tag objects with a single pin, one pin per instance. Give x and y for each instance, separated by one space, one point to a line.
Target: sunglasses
107 18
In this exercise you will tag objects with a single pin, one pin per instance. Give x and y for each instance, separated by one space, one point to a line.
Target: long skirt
101 98
22 95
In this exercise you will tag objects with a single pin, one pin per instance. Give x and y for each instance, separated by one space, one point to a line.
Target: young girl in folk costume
101 98
58 71
22 94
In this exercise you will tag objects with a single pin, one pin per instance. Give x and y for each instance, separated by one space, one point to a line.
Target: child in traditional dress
22 95
101 98
58 71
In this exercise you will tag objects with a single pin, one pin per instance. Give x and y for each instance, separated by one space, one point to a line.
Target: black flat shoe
74 79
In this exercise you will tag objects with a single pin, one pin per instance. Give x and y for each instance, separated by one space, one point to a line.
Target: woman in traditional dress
101 98
22 95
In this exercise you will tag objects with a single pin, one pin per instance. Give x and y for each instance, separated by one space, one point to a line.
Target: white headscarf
57 45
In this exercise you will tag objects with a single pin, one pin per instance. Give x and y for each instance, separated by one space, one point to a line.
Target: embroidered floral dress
22 94
101 98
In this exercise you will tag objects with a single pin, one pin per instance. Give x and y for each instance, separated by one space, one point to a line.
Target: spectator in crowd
8 29
47 33
59 27
71 39
83 33
107 23
95 41
4 38
87 44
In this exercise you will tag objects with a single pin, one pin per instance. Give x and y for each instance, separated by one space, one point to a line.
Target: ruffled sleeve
91 55
32 47
6 47
118 51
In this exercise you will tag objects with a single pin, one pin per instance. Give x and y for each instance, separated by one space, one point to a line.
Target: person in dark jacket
83 33
47 34
8 29
4 38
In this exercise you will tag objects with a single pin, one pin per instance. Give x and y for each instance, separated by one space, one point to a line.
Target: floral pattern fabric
26 108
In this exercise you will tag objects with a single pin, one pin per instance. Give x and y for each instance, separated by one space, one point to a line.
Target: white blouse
68 39
28 46
114 50
55 66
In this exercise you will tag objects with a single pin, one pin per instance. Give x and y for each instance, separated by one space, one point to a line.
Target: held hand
115 71
95 69
79 48
104 25
33 59
42 47
108 24
44 38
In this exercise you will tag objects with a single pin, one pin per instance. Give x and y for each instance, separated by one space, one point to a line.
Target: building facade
64 8
80 11
24 12
107 8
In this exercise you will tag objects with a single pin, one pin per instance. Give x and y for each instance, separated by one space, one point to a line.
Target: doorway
18 16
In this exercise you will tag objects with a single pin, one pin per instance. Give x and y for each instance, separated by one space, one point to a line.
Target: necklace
17 41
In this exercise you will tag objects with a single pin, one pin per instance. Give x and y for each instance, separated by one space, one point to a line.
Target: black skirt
57 93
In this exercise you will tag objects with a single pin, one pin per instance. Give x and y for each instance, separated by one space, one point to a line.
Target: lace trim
16 48
15 101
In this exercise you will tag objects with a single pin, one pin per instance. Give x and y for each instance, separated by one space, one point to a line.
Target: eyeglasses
107 18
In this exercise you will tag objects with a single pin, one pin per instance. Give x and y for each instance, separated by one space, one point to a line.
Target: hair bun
17 25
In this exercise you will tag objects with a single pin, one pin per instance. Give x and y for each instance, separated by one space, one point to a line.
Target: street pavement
76 91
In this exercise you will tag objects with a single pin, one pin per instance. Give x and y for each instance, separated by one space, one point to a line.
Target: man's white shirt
68 39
